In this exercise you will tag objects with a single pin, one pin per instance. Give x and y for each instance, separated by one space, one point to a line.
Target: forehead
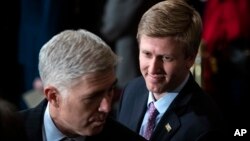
95 81
99 77
158 44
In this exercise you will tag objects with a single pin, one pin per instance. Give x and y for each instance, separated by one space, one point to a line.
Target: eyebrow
96 93
111 87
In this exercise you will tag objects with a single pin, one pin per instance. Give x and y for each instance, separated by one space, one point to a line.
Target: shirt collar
52 133
163 103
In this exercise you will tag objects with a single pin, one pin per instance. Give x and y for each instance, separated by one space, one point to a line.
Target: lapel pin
168 127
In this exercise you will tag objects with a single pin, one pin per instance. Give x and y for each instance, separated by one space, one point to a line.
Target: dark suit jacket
192 116
113 131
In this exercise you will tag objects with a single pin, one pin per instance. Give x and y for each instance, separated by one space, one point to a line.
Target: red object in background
224 21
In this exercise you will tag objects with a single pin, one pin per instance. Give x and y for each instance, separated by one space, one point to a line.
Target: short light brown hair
173 18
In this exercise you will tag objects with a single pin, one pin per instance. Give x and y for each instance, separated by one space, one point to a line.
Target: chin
157 91
92 132
155 88
96 130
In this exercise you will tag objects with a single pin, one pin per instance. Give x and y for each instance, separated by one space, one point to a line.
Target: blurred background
221 68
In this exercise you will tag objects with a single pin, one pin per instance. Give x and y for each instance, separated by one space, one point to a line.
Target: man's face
84 109
162 63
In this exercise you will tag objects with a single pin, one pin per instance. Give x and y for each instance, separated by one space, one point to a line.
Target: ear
52 94
189 62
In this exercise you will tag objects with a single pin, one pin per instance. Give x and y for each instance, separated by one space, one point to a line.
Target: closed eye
167 58
146 54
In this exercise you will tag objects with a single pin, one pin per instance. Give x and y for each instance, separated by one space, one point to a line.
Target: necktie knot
152 111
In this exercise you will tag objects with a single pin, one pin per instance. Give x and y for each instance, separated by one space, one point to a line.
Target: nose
155 66
105 105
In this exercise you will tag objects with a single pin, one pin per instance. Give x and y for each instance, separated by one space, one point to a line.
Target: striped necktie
151 121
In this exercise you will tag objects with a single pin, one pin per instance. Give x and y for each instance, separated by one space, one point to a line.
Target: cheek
75 109
143 68
143 63
174 70
78 116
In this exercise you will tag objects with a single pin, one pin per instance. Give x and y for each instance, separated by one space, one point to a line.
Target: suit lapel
166 127
170 122
36 122
139 111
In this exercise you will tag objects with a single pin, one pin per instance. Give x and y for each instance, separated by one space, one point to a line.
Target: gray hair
72 54
173 18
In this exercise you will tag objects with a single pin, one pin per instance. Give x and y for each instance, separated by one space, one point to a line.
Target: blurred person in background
11 127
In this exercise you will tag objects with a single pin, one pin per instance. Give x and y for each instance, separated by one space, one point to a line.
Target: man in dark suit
119 25
169 38
77 69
